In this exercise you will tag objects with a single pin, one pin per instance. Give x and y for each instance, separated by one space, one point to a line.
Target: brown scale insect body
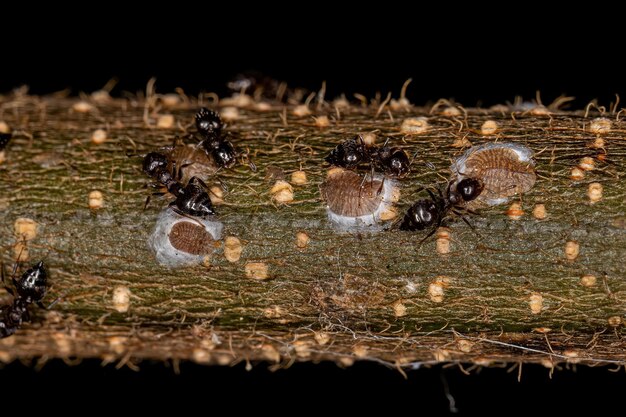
192 161
505 169
502 173
344 195
191 238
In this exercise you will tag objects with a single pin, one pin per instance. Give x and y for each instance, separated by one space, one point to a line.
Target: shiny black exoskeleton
350 154
353 152
191 199
430 213
393 162
30 289
425 213
465 190
221 151
214 143
155 164
209 123
4 140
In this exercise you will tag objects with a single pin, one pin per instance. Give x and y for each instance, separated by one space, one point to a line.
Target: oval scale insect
505 169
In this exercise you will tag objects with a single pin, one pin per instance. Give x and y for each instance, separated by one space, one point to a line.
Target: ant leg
52 304
467 222
199 181
183 214
145 206
246 158
380 189
432 232
431 194
179 175
203 184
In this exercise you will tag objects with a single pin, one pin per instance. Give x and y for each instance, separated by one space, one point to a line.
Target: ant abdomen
421 215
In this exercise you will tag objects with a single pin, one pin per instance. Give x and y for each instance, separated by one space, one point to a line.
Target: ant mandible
30 289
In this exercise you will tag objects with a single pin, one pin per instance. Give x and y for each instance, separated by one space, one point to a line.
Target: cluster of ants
393 162
192 199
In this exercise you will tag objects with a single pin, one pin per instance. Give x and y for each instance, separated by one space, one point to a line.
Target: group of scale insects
192 199
394 162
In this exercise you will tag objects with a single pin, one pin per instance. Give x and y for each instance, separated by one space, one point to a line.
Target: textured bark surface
509 294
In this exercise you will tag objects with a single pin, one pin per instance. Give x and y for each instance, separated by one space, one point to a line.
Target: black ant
350 153
4 140
30 289
430 213
191 199
393 162
220 149
353 152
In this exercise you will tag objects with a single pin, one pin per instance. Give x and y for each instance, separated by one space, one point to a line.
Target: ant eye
500 170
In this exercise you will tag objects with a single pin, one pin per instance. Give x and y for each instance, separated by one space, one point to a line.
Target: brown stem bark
504 294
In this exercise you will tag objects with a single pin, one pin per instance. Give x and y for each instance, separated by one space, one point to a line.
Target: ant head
153 163
4 140
469 188
396 162
194 200
348 154
32 285
224 154
420 216
208 122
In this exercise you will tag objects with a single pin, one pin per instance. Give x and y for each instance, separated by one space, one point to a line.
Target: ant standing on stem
353 152
430 213
215 144
191 200
30 289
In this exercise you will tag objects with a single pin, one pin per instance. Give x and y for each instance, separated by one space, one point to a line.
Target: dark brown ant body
214 143
430 213
350 154
353 152
30 289
191 199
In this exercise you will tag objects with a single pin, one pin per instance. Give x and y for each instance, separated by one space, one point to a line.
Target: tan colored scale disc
348 195
190 238
501 172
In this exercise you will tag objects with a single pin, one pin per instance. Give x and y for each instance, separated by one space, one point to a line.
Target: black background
487 56
484 55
